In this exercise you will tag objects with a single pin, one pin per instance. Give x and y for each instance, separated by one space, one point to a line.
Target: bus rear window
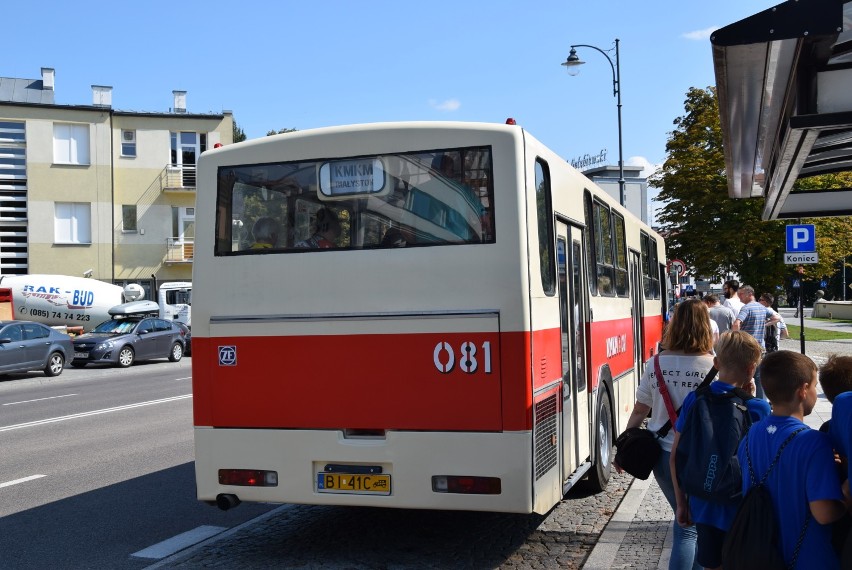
440 197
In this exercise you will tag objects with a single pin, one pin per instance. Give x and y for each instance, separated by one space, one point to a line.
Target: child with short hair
737 357
835 376
804 483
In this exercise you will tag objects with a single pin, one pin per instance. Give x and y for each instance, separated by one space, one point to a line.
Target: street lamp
572 66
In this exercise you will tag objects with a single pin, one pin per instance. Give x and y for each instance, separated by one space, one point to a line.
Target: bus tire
600 471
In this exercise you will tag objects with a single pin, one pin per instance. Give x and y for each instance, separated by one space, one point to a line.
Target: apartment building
91 190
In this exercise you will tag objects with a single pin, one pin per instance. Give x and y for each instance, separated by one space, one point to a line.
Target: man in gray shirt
724 316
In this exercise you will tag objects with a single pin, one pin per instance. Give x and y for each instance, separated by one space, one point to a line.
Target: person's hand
618 468
751 387
683 516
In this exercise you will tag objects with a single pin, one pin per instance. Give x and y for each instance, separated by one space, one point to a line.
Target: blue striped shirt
753 316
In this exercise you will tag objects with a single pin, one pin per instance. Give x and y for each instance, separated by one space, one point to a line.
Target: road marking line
39 399
24 480
187 378
179 542
93 413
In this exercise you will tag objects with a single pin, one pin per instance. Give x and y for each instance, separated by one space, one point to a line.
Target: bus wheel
599 474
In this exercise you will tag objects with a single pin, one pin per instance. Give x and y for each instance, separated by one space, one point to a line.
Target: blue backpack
706 459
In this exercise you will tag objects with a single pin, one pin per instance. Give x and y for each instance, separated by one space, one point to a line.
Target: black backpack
706 457
753 541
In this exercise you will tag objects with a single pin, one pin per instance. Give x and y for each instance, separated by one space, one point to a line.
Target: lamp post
572 66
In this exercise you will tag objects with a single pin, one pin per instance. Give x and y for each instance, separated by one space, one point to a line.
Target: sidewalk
639 534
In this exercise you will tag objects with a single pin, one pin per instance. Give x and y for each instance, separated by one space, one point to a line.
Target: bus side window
544 212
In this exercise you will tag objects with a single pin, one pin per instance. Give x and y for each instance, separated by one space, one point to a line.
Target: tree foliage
239 133
280 131
833 235
713 234
716 235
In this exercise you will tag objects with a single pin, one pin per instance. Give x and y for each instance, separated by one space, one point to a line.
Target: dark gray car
25 346
122 341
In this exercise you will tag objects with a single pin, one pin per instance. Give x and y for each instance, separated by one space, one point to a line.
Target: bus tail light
248 477
466 485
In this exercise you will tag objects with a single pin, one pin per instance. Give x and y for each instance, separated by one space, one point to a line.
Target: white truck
175 300
57 300
80 303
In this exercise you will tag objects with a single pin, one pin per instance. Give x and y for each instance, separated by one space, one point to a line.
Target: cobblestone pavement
643 545
320 537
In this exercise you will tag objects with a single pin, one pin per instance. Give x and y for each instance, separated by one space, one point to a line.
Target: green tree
716 235
713 234
280 131
833 235
239 133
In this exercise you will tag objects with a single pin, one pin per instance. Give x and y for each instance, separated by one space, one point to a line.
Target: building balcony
179 250
178 178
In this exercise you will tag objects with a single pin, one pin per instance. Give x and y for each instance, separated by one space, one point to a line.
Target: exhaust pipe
226 501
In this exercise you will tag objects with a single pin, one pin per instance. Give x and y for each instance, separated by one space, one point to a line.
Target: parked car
187 337
134 333
25 346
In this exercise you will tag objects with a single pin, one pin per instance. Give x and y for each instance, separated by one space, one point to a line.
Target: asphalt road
97 464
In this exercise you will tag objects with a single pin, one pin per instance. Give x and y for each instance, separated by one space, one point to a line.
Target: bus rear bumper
413 460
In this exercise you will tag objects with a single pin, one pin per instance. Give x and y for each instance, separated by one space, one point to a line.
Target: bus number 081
468 357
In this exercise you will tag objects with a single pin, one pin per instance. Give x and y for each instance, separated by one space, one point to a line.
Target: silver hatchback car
132 334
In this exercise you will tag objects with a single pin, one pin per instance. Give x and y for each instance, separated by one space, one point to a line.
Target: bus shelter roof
783 78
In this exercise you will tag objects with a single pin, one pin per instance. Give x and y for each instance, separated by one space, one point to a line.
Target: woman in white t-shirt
686 360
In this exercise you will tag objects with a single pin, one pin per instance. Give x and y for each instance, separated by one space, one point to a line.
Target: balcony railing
179 250
175 177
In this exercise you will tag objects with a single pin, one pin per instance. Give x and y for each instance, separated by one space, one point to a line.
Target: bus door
637 298
576 417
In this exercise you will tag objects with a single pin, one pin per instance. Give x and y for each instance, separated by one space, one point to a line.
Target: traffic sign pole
802 319
801 271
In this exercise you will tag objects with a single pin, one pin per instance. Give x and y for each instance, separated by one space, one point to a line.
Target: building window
13 157
128 143
72 222
70 144
128 218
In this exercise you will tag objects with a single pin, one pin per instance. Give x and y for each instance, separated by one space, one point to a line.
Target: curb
190 550
604 553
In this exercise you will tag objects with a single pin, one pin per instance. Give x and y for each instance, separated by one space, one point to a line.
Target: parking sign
801 238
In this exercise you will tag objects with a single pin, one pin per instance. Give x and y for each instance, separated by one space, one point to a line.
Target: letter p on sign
801 238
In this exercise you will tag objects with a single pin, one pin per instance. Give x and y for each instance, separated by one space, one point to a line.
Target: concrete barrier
833 309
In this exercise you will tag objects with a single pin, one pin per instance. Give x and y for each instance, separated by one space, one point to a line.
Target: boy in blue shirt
737 357
835 376
804 486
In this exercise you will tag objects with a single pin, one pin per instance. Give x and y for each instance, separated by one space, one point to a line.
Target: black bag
706 459
638 451
754 541
637 448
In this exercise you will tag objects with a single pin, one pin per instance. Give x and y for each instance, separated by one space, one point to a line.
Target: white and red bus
439 315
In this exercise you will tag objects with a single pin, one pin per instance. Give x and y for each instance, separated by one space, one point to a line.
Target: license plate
354 483
81 355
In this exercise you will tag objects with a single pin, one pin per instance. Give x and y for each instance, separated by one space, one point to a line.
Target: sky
285 64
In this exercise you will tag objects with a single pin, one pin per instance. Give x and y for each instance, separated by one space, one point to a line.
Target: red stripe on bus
392 381
363 381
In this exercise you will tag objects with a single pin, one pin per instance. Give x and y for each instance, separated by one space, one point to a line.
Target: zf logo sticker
227 356
444 357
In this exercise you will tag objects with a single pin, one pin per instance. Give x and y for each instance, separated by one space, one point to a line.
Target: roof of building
14 90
